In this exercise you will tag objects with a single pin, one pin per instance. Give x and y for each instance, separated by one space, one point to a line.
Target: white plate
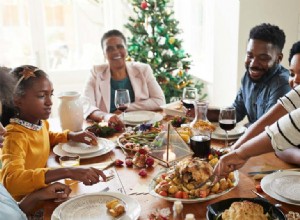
81 148
108 145
138 116
268 179
236 132
156 118
287 186
93 206
216 137
171 199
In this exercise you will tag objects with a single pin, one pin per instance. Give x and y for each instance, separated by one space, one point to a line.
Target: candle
169 156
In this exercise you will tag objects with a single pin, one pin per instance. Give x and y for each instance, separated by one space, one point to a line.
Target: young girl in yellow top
28 139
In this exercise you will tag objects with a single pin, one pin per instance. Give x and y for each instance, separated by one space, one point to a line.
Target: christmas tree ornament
144 5
180 73
179 65
172 40
150 54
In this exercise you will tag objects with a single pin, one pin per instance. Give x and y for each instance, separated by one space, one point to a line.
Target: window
196 21
56 34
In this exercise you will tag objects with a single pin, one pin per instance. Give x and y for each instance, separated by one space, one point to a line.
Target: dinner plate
287 186
236 132
138 116
81 148
156 118
171 199
108 145
93 206
215 210
268 179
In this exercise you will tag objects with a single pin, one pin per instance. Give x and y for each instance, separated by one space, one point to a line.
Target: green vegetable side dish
101 131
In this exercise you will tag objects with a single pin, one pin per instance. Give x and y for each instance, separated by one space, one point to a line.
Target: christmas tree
154 41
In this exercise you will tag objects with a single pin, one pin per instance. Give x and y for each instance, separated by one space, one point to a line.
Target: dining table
127 181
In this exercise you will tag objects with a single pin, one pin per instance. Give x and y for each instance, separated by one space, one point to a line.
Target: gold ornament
180 73
172 40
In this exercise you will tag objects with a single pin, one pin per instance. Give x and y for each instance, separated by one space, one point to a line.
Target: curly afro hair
294 50
268 33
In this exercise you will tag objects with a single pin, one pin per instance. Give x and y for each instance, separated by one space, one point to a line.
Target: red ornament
144 5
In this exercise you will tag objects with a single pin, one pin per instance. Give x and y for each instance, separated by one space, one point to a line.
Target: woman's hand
116 123
96 116
2 132
86 137
88 176
228 163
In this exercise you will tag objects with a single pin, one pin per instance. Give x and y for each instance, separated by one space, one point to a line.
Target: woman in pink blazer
138 78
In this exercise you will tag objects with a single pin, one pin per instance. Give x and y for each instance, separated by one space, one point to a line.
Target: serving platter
215 210
268 179
93 206
196 200
135 139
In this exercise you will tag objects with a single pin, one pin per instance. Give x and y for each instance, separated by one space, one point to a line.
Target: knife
272 171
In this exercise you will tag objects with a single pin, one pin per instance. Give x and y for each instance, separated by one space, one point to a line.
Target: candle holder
168 147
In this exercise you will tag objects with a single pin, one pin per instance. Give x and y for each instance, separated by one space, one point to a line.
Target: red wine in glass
122 100
200 145
227 124
227 120
122 108
188 103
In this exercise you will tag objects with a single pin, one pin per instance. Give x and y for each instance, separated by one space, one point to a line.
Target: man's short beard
266 73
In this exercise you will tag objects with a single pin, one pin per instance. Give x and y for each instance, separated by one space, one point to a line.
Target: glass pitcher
201 129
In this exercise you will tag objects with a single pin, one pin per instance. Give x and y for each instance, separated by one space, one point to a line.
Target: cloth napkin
139 189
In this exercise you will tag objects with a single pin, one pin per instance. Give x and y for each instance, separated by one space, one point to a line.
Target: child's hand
88 176
53 191
86 137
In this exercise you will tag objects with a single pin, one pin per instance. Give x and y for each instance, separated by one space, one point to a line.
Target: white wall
233 21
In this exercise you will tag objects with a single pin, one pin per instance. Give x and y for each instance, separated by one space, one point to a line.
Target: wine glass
227 120
189 96
122 100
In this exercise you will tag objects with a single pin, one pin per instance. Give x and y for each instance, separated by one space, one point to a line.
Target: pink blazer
148 93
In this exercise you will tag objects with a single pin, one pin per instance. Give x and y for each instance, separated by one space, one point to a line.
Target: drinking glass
68 161
189 96
122 100
227 121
